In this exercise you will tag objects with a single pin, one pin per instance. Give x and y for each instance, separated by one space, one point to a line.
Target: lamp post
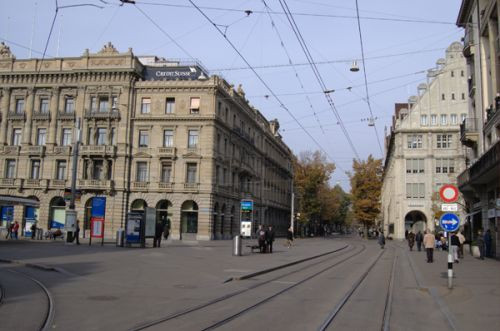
71 213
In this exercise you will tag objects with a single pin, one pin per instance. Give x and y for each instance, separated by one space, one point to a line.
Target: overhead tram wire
366 80
316 72
264 83
375 18
273 24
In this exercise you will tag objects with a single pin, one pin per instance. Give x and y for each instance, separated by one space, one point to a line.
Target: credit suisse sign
172 73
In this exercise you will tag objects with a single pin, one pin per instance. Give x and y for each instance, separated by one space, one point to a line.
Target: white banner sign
449 207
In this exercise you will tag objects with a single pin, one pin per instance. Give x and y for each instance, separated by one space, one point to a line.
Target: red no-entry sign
448 193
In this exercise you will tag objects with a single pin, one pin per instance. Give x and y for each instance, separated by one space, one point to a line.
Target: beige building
154 133
480 182
423 150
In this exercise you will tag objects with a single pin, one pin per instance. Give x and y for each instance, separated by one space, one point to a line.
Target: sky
401 40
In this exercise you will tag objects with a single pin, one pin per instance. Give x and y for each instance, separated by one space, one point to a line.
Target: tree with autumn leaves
317 201
366 186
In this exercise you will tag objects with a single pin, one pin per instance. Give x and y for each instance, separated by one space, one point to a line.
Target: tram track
213 302
46 323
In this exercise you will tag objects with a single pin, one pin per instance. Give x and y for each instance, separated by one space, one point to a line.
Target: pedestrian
444 244
461 238
270 238
9 227
381 240
429 242
487 243
261 237
158 233
419 238
289 237
33 231
166 232
411 240
15 229
480 244
77 233
455 243
406 234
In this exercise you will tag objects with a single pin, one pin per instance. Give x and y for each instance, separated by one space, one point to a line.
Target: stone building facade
423 150
154 133
480 182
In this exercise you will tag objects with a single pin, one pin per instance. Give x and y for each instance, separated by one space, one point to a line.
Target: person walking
429 242
158 233
487 243
261 237
406 234
270 238
33 231
461 238
289 237
480 244
411 240
9 227
455 243
77 233
381 240
419 238
15 229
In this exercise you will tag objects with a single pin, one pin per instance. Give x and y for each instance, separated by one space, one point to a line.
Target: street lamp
70 223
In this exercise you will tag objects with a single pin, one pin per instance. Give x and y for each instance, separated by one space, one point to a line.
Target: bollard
237 246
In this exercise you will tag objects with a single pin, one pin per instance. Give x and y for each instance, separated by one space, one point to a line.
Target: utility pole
71 213
292 213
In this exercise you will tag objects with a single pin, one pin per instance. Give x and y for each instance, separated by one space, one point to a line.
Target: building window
192 138
443 119
97 170
423 119
93 104
103 104
61 170
168 138
217 175
443 141
35 169
142 172
414 141
166 172
16 137
453 96
170 106
19 106
113 136
415 166
415 191
442 96
114 102
69 105
461 73
445 166
463 96
66 137
41 137
194 107
10 169
433 119
191 173
44 105
101 136
454 119
145 105
452 73
463 117
143 138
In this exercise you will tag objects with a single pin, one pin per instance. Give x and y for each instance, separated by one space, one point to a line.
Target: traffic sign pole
450 223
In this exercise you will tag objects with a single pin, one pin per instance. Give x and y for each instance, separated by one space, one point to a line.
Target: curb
265 271
30 265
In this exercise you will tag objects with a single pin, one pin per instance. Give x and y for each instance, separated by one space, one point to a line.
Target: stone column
5 110
30 102
54 108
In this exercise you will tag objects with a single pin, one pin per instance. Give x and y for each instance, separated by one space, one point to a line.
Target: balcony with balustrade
96 184
98 150
140 186
108 114
58 183
469 133
63 150
191 187
33 150
166 152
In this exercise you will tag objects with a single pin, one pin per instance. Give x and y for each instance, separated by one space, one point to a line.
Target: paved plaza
127 288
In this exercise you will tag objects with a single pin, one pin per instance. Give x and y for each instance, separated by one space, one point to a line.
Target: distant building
423 150
480 132
154 133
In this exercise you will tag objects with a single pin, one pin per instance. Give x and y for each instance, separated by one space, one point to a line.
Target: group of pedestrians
265 239
12 230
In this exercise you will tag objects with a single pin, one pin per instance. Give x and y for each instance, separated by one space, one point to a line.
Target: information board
97 227
150 222
133 228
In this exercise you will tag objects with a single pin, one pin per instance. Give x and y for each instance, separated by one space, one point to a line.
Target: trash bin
237 246
119 237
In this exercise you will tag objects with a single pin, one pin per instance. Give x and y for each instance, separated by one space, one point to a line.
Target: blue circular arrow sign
449 222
